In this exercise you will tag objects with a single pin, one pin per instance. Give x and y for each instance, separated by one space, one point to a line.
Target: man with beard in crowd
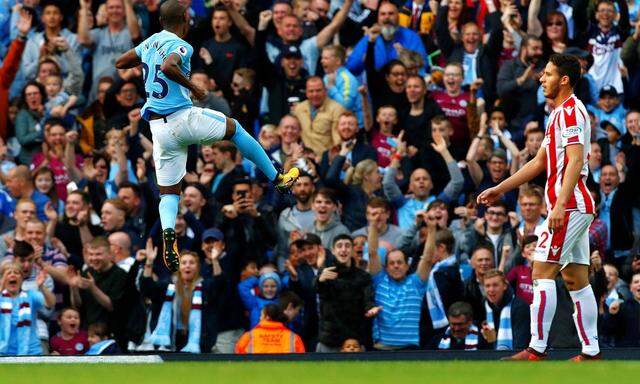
518 82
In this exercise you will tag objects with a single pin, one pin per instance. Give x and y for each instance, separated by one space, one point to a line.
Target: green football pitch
326 372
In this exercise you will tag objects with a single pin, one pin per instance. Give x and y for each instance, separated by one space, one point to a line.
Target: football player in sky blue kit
175 123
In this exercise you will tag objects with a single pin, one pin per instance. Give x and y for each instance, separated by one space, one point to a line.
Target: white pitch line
132 359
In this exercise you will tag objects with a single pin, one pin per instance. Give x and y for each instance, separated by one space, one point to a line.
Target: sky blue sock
168 210
252 150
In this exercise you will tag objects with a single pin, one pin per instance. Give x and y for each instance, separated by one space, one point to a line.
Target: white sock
585 317
543 309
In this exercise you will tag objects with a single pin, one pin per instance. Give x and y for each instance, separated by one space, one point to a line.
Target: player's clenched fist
489 196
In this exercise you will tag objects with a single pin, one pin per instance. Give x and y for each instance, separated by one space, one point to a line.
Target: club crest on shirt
571 131
555 250
182 50
568 110
463 103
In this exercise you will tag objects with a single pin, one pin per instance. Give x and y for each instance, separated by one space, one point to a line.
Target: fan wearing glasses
493 228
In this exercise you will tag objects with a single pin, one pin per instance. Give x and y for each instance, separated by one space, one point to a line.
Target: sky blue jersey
164 96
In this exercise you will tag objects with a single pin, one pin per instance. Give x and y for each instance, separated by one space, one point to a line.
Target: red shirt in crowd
520 277
455 109
384 150
60 172
77 345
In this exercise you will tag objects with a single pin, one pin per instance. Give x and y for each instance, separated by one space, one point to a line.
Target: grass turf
326 372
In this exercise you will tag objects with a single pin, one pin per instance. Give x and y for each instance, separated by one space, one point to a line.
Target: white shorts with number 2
569 245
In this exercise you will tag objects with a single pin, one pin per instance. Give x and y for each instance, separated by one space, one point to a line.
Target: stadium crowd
397 112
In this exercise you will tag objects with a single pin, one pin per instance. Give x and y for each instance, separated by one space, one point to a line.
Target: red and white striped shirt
568 124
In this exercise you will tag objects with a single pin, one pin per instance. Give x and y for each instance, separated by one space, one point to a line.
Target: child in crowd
100 341
382 139
268 287
520 276
351 345
45 183
70 340
250 269
58 102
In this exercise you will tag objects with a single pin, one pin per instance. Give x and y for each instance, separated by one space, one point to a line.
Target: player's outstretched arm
128 60
526 173
171 69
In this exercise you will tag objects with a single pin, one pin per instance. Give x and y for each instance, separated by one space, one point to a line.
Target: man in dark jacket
346 300
622 320
515 323
302 281
518 80
617 198
285 80
444 286
249 232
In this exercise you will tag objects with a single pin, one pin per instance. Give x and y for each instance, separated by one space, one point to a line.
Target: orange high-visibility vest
269 337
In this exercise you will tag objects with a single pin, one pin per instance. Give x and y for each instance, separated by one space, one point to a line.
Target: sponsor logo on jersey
571 131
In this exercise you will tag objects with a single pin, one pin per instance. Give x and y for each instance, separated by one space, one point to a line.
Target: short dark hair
172 13
99 329
53 121
43 92
342 236
22 249
395 62
445 237
241 181
379 202
134 187
274 313
461 308
327 193
227 147
568 65
483 245
84 195
289 297
499 204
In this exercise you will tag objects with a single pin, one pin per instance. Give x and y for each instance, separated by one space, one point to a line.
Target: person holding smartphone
247 230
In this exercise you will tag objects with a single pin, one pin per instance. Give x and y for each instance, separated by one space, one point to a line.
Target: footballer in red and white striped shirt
563 239
568 125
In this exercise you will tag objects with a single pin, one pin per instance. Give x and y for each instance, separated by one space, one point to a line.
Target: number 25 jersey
164 96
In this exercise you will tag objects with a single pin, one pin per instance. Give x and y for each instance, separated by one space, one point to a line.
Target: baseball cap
608 123
307 238
609 90
212 233
291 51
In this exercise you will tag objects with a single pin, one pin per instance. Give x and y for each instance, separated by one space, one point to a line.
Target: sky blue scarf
505 334
24 322
434 301
164 334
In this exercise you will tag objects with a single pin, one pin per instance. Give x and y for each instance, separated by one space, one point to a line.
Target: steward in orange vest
270 335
